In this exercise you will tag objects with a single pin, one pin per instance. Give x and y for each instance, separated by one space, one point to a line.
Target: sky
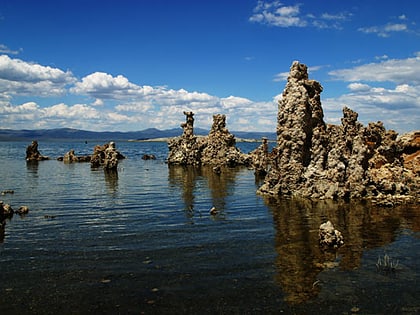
127 65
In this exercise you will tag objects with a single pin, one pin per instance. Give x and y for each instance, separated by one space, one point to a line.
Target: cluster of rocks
316 160
6 210
105 155
218 149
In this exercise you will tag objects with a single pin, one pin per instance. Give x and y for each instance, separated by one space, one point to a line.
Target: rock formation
32 153
105 155
316 160
218 149
71 157
111 157
329 236
186 149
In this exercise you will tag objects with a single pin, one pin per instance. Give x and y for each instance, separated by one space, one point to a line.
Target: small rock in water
213 211
22 210
8 191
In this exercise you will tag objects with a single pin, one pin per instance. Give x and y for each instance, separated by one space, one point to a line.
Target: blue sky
130 65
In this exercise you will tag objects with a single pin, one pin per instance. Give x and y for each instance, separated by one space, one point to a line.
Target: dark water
144 242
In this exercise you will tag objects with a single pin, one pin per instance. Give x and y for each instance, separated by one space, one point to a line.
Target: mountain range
146 134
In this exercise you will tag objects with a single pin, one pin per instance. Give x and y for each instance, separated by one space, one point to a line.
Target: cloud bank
387 90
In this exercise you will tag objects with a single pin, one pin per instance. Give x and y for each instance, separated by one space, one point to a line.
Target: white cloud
399 25
6 50
277 14
399 71
101 86
19 77
397 106
358 87
384 30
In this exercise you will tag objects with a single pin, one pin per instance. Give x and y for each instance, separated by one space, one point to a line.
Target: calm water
144 242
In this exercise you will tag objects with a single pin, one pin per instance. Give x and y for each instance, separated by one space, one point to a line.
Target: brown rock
344 161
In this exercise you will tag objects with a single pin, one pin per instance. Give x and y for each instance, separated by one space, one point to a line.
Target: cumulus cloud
398 106
101 85
399 71
277 14
19 77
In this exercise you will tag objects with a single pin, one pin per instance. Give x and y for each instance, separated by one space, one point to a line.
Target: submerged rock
316 160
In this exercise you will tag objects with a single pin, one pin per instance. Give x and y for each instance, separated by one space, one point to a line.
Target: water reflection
300 259
200 180
2 232
111 180
32 167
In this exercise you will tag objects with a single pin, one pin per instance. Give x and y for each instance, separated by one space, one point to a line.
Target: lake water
143 242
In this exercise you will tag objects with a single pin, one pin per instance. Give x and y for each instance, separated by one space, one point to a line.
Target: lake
142 241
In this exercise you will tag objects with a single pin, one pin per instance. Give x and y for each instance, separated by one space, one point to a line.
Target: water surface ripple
143 241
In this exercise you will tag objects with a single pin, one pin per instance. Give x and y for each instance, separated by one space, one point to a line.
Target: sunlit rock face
186 149
221 149
316 160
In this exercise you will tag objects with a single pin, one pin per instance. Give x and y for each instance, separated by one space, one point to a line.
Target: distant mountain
146 134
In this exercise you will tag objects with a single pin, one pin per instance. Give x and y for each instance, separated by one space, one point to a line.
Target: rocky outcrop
71 157
329 236
316 160
186 149
106 156
32 153
218 149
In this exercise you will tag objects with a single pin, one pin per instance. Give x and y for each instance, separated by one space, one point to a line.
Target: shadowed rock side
316 160
218 149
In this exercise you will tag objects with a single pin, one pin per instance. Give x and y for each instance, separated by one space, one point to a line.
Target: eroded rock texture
316 160
186 149
218 149
106 156
32 153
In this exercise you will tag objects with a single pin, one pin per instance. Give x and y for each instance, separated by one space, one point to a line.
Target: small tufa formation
218 149
186 149
329 236
32 153
316 160
71 157
111 158
105 155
